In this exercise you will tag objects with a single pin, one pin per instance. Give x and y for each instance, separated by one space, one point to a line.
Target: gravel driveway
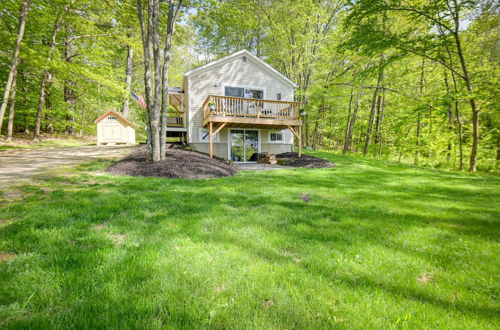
19 164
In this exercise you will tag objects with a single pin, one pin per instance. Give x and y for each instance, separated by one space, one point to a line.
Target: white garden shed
113 128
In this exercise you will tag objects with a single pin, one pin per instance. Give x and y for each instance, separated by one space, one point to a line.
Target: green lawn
379 245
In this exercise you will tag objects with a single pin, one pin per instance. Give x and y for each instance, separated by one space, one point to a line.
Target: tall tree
47 75
373 108
15 59
430 15
154 62
173 14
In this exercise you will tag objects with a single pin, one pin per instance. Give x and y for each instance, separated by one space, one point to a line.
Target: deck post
300 141
211 139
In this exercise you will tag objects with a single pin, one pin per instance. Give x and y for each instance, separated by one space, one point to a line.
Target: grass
378 245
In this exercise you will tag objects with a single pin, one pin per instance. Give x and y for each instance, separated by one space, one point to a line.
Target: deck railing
254 108
175 120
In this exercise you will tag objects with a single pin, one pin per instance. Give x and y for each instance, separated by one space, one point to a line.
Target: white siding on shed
112 129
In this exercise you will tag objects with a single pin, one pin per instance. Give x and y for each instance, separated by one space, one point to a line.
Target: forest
410 81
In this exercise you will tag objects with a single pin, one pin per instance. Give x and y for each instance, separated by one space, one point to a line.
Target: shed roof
118 115
245 52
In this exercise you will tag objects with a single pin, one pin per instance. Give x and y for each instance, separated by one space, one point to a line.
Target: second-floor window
250 93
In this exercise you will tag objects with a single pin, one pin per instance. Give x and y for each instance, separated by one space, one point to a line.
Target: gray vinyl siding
221 148
231 73
234 72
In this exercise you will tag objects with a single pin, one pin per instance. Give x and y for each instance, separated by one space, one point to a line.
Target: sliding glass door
244 144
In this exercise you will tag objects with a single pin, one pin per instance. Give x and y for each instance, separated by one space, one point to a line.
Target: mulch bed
179 164
306 161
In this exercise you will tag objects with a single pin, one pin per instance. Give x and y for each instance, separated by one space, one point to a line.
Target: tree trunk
146 45
46 77
69 90
155 114
378 118
372 111
419 135
347 126
15 59
380 122
470 89
319 118
49 128
419 115
10 123
450 117
459 121
173 13
128 80
350 127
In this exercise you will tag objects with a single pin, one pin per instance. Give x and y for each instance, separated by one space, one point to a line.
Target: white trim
282 132
263 89
244 129
188 110
245 52
216 138
176 129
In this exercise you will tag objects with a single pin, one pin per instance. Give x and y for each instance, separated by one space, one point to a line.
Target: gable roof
116 114
245 52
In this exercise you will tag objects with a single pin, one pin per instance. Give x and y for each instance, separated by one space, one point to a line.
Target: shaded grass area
377 245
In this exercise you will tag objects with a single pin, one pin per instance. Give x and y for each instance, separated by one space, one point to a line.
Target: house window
112 118
278 96
244 59
251 93
205 138
276 137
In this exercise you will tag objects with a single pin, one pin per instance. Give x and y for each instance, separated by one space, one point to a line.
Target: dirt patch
306 161
21 164
100 226
117 238
305 197
268 303
221 288
179 164
6 256
425 278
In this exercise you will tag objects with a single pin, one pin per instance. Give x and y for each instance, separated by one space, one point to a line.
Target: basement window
276 137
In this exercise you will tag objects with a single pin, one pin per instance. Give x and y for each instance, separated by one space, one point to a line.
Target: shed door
113 130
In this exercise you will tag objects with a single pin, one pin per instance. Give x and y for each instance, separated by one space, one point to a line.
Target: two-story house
235 107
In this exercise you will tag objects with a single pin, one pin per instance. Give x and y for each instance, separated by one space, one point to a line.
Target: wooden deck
226 111
176 116
175 119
